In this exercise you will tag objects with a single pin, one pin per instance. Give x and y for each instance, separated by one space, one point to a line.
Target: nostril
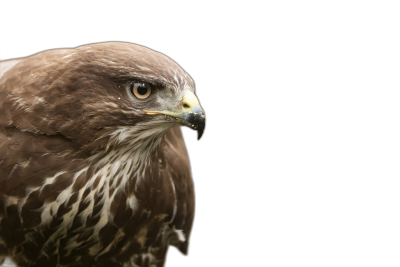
186 105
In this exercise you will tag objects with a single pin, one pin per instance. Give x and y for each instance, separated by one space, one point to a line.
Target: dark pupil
142 89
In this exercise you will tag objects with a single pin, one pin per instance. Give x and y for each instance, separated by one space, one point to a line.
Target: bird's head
92 91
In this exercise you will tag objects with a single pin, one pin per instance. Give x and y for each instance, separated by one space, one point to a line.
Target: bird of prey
93 167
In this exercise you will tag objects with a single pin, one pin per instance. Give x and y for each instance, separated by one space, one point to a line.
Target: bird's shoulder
26 159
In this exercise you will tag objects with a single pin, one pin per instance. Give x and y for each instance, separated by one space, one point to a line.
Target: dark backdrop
205 58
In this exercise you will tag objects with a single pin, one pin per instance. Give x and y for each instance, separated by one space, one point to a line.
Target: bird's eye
141 90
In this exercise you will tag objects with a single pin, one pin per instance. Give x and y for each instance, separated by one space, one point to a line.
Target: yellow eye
141 90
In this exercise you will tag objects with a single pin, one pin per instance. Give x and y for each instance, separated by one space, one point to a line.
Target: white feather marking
39 99
67 56
12 171
180 235
19 103
132 202
50 180
109 61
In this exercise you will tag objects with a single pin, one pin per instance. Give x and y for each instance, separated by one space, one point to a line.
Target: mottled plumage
90 175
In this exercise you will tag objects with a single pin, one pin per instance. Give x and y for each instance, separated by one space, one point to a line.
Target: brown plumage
90 173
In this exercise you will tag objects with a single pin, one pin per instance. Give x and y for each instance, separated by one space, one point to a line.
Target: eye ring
141 90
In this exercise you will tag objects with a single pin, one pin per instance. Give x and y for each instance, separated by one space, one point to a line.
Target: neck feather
129 151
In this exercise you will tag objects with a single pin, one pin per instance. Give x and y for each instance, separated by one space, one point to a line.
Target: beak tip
201 123
195 119
200 133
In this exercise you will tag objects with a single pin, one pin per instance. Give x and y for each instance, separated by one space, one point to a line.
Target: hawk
93 167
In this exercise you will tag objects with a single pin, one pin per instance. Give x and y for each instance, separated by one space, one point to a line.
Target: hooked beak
191 113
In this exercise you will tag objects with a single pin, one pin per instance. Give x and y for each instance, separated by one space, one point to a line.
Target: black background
206 53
